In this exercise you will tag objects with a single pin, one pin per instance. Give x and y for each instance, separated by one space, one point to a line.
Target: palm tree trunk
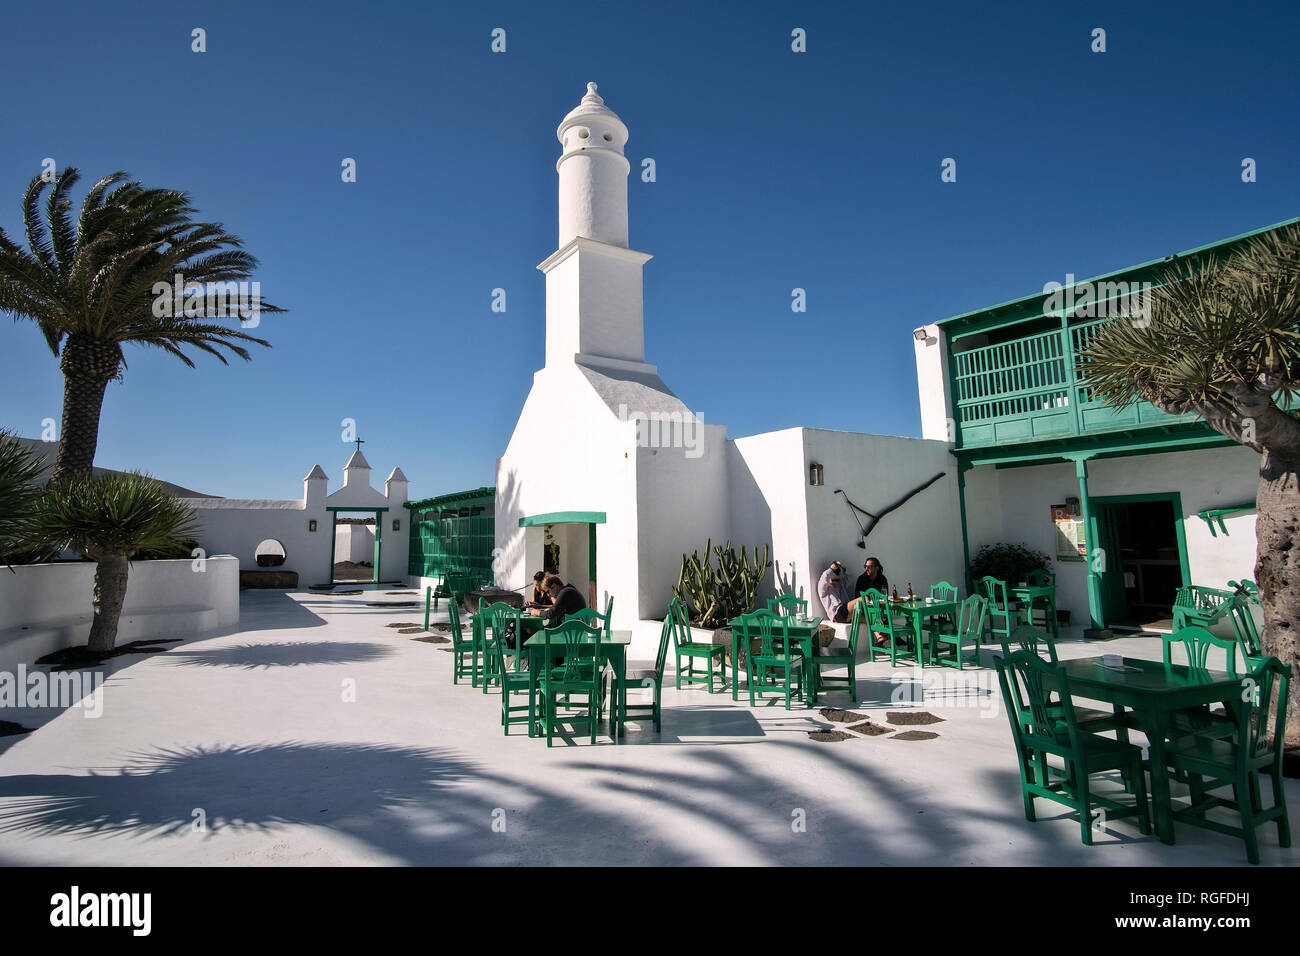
110 595
1277 571
88 365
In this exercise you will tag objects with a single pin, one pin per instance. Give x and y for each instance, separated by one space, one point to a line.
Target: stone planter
492 596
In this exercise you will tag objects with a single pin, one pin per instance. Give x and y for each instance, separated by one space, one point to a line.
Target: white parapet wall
48 607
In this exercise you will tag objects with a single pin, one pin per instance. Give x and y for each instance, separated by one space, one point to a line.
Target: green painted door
1105 555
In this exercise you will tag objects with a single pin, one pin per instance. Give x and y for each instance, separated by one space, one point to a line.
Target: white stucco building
305 529
648 480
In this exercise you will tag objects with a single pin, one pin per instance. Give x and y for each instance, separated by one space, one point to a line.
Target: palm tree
19 492
109 519
95 285
1222 341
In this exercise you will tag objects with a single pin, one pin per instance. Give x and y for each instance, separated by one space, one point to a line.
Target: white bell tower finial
593 280
593 173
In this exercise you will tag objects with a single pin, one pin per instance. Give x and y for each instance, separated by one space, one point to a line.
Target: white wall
1013 505
47 607
355 542
919 542
236 526
766 480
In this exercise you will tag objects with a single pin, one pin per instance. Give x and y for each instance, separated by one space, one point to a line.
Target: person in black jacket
567 600
873 576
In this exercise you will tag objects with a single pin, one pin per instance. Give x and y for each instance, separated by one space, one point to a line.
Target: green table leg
620 695
1153 724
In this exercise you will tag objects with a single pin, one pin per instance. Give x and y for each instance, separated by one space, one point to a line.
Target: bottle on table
895 594
911 596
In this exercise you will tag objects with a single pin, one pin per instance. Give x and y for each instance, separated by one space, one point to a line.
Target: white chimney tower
593 281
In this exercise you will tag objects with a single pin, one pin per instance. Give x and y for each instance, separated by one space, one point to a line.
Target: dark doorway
1145 559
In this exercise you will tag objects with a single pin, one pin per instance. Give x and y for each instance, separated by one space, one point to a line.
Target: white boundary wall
47 607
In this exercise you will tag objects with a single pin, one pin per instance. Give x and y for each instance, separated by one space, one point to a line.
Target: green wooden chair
1239 614
572 665
1196 644
651 679
685 648
999 606
943 591
1040 578
1198 606
880 620
502 621
1211 764
970 630
846 657
461 648
787 605
511 682
1033 686
770 662
1034 640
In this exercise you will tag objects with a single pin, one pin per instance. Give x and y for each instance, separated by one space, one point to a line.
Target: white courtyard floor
249 734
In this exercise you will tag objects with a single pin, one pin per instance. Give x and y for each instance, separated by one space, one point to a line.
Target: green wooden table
1152 690
614 648
916 612
1028 594
803 632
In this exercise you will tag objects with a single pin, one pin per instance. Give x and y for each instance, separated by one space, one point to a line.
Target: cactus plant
716 595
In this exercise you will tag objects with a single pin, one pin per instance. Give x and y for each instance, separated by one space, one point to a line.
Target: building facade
1130 503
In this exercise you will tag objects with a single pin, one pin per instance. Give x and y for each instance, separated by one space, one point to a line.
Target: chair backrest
500 616
591 618
681 622
879 617
1243 625
1032 639
665 635
1045 701
768 626
994 591
855 626
1185 638
1202 600
609 610
788 605
578 643
943 591
1040 578
1266 692
970 618
457 628
1202 642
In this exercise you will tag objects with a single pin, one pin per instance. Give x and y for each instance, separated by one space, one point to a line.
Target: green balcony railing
1032 388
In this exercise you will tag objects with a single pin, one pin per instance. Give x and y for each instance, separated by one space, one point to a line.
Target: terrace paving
249 733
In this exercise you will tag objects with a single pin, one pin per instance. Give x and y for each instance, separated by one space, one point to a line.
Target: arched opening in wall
356 547
270 554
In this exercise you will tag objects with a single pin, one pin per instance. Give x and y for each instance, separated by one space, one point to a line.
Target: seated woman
540 597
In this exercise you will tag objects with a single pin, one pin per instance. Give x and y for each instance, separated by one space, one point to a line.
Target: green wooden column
591 563
962 468
1094 579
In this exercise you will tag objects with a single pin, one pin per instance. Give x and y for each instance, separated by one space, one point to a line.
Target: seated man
834 593
565 600
872 576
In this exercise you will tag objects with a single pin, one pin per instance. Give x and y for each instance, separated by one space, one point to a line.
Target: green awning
564 517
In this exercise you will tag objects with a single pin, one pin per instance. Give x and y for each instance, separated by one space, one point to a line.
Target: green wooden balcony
1031 388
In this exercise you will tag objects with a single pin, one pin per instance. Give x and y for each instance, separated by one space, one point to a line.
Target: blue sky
775 170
